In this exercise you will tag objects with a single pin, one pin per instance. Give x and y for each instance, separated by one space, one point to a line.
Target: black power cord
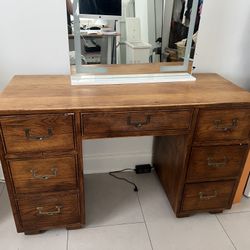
124 179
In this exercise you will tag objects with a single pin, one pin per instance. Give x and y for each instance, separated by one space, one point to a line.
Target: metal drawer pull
44 177
229 128
207 197
37 138
58 211
138 124
213 164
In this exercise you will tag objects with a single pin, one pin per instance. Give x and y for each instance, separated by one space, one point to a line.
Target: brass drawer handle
37 137
44 177
219 164
207 197
138 124
219 126
58 211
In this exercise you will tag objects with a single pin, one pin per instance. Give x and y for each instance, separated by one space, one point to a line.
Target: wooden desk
201 142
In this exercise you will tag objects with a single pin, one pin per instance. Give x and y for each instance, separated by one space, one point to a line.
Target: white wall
224 40
141 11
158 17
151 22
40 47
33 38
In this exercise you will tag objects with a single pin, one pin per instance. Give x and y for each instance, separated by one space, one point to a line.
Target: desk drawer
208 195
36 133
224 124
216 162
43 175
45 211
127 123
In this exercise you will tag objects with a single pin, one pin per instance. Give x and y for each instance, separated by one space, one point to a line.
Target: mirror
158 33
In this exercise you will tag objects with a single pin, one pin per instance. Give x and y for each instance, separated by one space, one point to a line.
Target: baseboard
103 163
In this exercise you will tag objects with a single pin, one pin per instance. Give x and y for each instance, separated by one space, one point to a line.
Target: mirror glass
122 32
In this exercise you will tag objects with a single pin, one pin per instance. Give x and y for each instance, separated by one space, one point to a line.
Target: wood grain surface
43 211
223 125
208 195
35 133
47 93
44 174
113 124
216 162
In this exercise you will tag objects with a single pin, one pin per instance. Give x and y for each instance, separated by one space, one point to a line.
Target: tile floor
120 219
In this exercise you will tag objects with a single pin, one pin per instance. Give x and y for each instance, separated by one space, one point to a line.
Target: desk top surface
55 93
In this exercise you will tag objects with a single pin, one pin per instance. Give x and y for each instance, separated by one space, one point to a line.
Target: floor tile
237 226
115 221
110 201
120 237
202 231
11 240
243 206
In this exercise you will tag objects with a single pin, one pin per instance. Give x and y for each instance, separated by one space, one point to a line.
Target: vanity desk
201 142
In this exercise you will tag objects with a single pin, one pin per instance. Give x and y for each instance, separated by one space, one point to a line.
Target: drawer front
216 162
209 195
122 123
36 133
216 125
42 175
45 211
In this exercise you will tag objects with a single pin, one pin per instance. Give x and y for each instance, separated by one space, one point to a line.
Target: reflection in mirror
175 32
133 31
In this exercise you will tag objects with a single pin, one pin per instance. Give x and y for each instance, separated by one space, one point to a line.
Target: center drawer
98 125
43 175
37 133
